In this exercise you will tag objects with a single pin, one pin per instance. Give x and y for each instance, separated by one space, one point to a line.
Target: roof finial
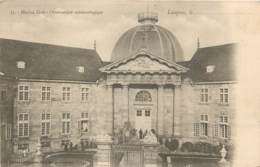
148 17
198 43
95 45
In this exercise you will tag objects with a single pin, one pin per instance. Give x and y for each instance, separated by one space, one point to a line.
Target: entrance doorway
143 119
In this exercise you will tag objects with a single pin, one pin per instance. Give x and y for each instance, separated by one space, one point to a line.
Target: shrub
187 147
173 144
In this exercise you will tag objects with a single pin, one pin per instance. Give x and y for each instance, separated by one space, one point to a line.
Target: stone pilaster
103 156
177 111
109 115
160 111
125 103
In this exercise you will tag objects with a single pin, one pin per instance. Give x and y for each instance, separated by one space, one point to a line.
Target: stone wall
6 110
174 109
188 109
97 106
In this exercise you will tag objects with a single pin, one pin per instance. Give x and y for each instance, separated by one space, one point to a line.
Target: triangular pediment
143 62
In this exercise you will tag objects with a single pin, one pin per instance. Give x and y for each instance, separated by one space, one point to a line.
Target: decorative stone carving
143 63
223 154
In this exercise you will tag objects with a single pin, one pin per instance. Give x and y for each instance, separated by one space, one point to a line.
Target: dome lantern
148 17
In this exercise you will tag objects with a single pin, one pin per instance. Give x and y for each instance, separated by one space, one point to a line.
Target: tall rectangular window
204 129
3 95
224 99
204 125
46 93
84 122
84 94
46 123
204 95
223 126
23 93
23 125
66 122
66 93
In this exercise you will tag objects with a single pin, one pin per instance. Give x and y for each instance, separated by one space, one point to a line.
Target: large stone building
65 94
6 117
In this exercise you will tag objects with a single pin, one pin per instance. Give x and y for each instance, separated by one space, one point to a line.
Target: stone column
151 156
109 108
102 158
38 158
125 102
177 111
169 161
160 107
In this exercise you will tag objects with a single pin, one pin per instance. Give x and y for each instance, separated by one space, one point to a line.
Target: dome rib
160 38
131 41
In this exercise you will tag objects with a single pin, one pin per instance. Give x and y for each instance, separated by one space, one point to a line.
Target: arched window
143 96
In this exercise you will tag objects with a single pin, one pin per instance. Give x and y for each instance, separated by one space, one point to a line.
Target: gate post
103 156
151 156
38 158
223 162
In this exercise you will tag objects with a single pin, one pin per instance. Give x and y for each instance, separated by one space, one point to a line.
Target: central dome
155 39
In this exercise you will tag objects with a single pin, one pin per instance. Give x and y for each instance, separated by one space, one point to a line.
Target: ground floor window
224 131
66 124
200 129
224 128
204 129
23 125
46 123
139 113
84 122
84 125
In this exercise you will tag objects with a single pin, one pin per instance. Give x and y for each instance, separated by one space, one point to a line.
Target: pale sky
209 21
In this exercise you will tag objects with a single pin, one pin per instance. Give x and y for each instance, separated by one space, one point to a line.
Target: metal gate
127 155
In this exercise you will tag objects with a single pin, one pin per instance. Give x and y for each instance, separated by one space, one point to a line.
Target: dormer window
20 64
80 69
210 68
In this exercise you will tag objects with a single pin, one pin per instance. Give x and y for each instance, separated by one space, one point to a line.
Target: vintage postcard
129 83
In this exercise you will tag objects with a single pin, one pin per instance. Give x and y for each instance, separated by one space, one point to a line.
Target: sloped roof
106 63
50 62
222 57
